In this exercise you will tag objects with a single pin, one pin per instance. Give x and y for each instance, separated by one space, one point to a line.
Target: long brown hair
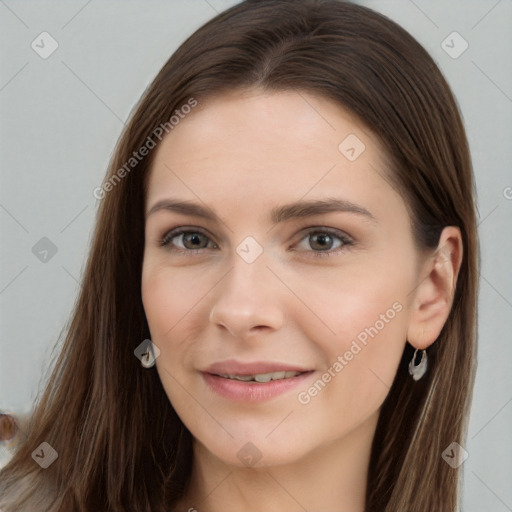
120 444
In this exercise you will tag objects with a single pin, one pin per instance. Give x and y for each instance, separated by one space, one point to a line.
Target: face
289 257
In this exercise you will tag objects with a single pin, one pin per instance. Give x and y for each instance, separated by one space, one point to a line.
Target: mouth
262 377
253 382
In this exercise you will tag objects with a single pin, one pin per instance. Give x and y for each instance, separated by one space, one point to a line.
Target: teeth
262 377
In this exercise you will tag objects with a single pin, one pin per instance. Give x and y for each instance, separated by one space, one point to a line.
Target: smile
259 387
262 377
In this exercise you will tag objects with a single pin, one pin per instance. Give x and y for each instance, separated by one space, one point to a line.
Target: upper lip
233 367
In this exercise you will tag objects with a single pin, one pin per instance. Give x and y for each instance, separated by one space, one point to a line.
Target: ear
433 298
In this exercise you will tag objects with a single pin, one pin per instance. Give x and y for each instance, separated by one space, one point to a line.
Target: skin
243 154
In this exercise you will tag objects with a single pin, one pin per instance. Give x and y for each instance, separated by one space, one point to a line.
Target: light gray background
60 118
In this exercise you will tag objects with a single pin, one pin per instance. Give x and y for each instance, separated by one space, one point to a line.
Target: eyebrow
295 210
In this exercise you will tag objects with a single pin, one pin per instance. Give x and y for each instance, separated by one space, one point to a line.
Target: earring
148 358
417 371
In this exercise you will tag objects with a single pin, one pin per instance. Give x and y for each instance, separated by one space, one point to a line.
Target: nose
248 302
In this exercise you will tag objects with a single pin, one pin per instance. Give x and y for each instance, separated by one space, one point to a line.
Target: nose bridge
247 297
248 271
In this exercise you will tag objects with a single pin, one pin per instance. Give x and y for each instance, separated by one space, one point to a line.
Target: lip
234 367
240 391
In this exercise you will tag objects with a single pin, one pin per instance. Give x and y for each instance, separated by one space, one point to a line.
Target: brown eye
193 240
321 242
185 240
325 242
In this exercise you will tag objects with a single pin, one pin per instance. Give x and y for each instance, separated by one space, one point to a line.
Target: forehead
248 147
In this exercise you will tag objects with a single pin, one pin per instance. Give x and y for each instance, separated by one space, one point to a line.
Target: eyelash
346 240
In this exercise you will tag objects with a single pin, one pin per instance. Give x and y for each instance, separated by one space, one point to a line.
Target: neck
332 477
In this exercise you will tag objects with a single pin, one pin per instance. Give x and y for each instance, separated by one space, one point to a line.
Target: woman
279 306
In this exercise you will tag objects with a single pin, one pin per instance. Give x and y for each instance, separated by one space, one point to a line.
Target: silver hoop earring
417 371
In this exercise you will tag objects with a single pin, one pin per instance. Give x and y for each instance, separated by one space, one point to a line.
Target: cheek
362 303
369 326
173 302
360 339
167 297
360 363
